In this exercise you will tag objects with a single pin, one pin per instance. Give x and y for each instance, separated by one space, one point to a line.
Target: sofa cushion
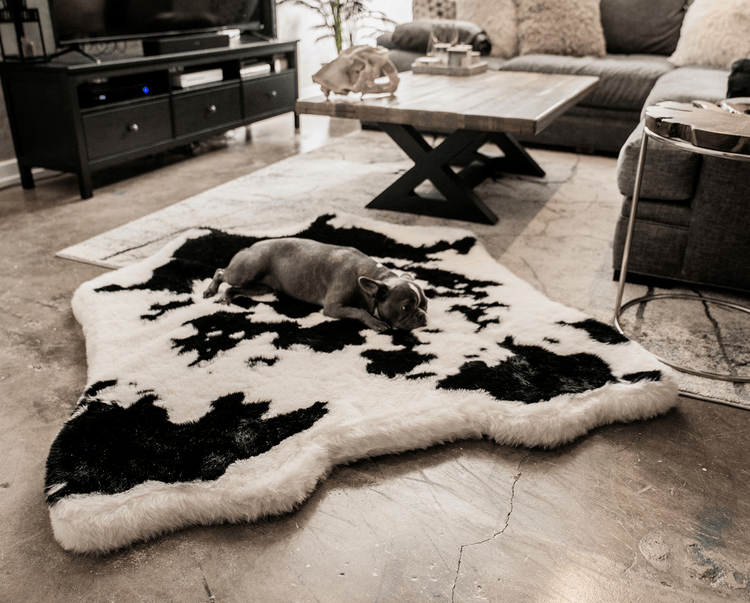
415 36
627 30
624 80
687 84
565 27
658 211
669 173
714 33
497 18
657 249
587 130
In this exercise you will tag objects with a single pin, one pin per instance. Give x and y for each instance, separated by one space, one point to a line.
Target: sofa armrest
415 36
386 40
686 84
669 173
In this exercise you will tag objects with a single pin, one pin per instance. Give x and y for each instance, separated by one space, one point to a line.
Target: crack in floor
211 597
516 477
739 387
718 334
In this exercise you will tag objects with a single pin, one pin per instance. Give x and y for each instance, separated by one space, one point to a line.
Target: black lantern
21 35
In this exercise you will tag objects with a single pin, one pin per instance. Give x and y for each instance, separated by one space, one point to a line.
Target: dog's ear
376 289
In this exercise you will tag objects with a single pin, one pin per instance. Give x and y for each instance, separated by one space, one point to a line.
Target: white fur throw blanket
198 413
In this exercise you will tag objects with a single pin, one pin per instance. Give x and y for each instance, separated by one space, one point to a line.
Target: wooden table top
513 102
724 127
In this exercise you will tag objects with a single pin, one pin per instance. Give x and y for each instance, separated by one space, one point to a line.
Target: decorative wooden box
435 68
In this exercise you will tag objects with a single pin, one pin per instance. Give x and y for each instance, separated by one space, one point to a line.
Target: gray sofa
694 213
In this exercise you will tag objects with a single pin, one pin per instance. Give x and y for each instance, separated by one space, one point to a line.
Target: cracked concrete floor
652 511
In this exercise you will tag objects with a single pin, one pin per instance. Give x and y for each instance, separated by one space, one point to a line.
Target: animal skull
356 69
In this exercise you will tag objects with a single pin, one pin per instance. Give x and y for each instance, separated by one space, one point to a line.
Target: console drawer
207 109
114 131
275 93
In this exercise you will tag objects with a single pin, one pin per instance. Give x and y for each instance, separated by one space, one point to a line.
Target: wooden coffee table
486 108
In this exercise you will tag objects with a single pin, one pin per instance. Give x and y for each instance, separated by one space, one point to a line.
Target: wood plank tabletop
703 124
513 102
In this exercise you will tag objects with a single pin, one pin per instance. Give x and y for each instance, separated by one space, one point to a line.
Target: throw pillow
567 27
497 18
714 33
434 9
416 35
642 26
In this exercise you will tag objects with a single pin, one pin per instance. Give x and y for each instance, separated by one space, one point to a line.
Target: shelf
128 107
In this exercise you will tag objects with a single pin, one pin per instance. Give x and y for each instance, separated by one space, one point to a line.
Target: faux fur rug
197 413
555 232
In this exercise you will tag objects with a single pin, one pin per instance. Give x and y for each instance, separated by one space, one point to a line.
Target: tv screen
86 21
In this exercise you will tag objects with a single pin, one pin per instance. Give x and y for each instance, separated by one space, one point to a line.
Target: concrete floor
652 511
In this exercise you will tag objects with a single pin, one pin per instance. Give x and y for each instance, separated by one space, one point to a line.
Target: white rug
197 413
554 232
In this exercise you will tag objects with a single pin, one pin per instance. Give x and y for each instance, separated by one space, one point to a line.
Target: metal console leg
631 227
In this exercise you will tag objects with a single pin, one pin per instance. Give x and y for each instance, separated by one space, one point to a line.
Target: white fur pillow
714 33
567 27
497 18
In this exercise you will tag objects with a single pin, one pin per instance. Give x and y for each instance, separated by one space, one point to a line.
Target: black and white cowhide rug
197 412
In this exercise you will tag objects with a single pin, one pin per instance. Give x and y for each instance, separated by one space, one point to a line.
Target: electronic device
76 22
104 91
196 78
254 69
172 44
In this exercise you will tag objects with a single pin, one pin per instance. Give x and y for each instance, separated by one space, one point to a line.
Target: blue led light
145 89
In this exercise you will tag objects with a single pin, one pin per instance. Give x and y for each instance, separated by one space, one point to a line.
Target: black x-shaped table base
459 201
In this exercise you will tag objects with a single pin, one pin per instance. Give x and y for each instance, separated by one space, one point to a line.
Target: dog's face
400 301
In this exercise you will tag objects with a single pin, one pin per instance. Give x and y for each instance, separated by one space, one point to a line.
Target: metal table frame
459 148
620 307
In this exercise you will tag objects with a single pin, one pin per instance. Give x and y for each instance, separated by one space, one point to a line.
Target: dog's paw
380 326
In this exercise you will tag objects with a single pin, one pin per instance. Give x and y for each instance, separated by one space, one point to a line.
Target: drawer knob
273 93
133 128
212 109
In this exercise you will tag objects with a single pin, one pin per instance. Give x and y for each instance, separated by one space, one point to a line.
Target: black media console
74 115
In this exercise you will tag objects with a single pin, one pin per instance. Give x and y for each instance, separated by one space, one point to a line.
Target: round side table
654 117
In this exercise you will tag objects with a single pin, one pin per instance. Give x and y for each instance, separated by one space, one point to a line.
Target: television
77 22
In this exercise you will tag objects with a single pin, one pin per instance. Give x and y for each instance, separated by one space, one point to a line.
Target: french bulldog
344 281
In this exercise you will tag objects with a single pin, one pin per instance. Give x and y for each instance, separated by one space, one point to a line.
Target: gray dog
343 280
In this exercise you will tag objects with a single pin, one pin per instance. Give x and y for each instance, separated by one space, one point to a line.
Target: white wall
398 10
